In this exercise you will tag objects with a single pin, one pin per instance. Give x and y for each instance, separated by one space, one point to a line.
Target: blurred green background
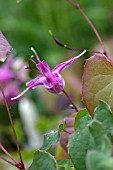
26 24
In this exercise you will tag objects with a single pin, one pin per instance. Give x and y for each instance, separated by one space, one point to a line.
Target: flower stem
18 164
5 151
70 48
12 124
69 98
9 162
67 132
76 5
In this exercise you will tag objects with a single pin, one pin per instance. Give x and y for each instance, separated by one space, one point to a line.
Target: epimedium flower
6 72
51 79
11 77
11 89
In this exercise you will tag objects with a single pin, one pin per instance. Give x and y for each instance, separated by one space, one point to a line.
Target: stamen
20 94
36 55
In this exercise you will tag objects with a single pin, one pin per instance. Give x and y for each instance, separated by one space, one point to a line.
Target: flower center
56 86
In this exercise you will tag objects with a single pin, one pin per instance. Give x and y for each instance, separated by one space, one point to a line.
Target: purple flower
51 79
11 76
6 72
11 89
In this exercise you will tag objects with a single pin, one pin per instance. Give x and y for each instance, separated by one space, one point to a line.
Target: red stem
76 5
66 132
12 124
9 162
69 98
70 48
5 151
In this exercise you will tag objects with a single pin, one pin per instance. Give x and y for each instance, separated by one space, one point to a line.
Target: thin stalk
30 67
76 5
69 98
12 124
9 162
5 151
66 132
70 48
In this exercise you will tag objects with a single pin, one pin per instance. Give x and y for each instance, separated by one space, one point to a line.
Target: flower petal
43 67
39 80
31 85
66 64
13 98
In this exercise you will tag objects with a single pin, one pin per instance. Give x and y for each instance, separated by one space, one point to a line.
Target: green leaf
64 164
100 158
102 142
79 115
103 114
43 161
79 143
97 82
62 126
50 139
67 167
98 161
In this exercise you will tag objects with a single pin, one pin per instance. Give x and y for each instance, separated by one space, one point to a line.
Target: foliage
43 160
86 136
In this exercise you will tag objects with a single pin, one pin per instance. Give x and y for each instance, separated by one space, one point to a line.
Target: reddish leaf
97 82
5 47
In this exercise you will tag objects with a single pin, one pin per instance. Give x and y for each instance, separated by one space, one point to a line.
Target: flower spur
51 79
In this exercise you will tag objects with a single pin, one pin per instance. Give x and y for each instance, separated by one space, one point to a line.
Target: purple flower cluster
51 79
9 79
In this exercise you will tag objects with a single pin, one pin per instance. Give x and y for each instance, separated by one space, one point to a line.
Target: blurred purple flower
6 72
11 89
11 78
50 79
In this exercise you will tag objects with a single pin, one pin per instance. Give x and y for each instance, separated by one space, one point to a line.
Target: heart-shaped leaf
80 114
5 47
50 139
79 143
100 158
98 161
103 114
97 82
64 164
43 161
101 140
